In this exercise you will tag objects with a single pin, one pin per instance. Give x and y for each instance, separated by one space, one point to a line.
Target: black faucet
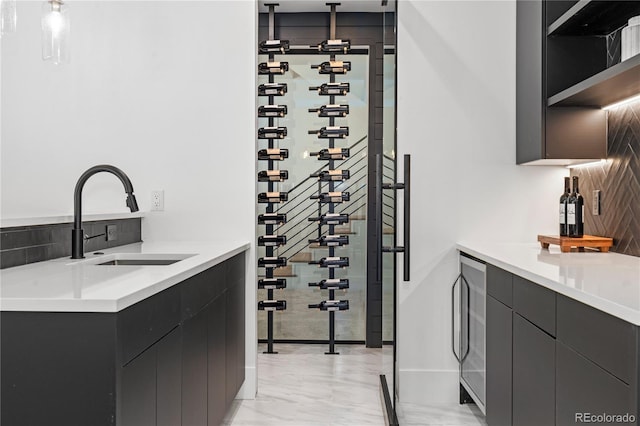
77 233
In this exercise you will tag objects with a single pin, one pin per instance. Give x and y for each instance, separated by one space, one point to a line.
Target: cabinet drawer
500 285
606 340
535 303
199 290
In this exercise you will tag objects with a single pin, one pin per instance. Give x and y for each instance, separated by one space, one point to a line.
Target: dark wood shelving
614 84
594 18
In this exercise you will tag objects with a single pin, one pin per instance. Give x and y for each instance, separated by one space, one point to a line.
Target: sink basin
139 262
135 259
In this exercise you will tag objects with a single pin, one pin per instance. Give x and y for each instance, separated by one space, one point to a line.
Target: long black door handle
407 216
379 201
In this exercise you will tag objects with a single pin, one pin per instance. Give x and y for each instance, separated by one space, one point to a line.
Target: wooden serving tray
566 243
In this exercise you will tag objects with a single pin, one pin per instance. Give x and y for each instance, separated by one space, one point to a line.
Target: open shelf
596 18
614 84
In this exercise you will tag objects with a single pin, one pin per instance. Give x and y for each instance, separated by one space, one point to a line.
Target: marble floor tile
432 415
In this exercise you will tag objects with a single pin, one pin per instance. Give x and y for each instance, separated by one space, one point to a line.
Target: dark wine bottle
331 305
333 67
331 219
273 175
331 240
272 219
276 154
331 110
564 231
272 197
331 197
575 211
272 240
332 284
331 262
332 154
333 46
332 89
272 89
272 110
272 305
273 46
272 283
331 132
273 67
332 175
272 262
272 132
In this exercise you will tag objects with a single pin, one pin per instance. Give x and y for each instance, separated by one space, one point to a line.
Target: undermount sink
135 259
139 262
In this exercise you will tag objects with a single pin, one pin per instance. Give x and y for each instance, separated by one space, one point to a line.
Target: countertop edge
52 220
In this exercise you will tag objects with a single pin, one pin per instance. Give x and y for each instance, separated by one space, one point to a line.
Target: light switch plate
112 232
595 208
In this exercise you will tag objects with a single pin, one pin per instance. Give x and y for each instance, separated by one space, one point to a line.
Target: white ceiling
295 6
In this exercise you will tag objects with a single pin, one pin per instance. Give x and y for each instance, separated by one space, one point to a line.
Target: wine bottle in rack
272 132
272 262
276 154
332 89
272 219
272 110
331 262
272 305
334 46
333 67
331 240
331 219
272 89
331 197
272 197
331 305
273 67
272 240
274 46
575 211
331 132
272 283
273 175
331 110
563 207
332 175
332 284
331 154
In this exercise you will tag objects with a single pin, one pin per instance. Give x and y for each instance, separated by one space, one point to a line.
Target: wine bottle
332 284
331 240
272 240
331 305
331 197
272 305
331 110
273 46
331 262
332 46
332 89
272 110
272 89
331 219
331 132
332 175
272 197
272 262
272 132
272 219
276 154
272 283
332 154
273 175
575 211
273 67
333 67
563 207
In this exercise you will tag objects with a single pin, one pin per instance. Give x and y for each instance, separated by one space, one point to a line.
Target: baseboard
249 388
429 386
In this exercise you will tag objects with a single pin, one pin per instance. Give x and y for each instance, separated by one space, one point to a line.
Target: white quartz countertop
66 285
48 220
609 282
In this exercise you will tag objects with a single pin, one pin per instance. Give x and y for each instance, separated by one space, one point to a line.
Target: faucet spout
77 233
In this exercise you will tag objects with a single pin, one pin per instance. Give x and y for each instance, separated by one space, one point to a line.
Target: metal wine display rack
328 200
273 156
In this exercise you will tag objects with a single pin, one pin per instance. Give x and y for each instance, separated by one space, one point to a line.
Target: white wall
456 117
164 90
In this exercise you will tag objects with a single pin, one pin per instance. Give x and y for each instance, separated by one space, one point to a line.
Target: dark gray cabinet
499 362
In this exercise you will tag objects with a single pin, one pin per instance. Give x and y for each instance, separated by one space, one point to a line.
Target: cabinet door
194 371
533 374
139 390
499 363
217 360
169 379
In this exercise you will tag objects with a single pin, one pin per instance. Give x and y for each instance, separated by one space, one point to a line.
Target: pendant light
8 16
55 32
